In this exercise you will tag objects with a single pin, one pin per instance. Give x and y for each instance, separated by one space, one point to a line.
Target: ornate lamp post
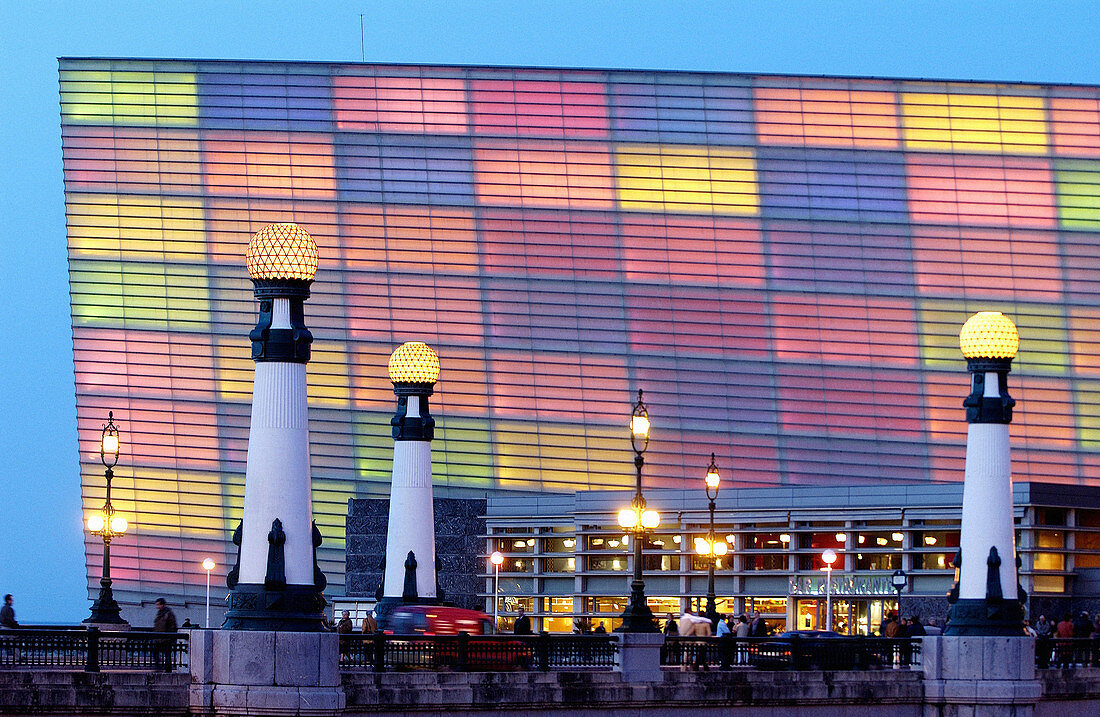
711 546
987 598
828 557
496 559
638 617
108 526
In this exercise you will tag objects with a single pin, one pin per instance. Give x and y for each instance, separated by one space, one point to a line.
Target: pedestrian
7 613
723 628
932 629
165 621
370 625
670 625
1065 627
759 626
1082 626
600 629
916 629
523 624
1029 629
344 627
1043 627
891 627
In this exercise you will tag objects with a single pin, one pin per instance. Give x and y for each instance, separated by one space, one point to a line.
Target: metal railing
1065 653
92 650
791 653
544 651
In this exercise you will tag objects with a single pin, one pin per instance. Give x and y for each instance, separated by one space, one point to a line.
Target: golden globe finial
989 334
282 251
414 362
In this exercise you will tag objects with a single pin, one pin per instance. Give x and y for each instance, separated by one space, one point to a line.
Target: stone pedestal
246 672
639 658
980 676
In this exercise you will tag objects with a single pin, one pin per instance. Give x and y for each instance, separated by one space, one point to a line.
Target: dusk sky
41 545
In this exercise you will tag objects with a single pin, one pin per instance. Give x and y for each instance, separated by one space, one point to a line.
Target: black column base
638 618
105 610
295 608
977 617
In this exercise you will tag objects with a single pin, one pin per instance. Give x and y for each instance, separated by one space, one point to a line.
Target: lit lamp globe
414 363
118 525
95 523
282 253
628 518
829 557
207 564
989 335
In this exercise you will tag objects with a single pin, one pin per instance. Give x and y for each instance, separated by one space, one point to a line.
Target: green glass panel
1078 184
1044 348
1088 414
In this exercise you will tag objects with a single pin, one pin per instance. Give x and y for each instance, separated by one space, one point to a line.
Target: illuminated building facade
782 263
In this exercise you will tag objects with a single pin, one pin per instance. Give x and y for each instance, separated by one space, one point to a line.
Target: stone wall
84 693
457 546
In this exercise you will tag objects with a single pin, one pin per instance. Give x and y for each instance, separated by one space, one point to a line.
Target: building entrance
851 616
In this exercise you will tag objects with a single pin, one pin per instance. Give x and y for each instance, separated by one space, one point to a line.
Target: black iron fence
791 653
477 652
92 650
1064 653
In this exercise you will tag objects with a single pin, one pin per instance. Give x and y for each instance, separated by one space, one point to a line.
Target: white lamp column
276 584
409 575
987 598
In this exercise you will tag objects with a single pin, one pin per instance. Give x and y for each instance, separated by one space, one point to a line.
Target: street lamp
496 559
638 617
711 546
108 526
898 580
207 565
828 557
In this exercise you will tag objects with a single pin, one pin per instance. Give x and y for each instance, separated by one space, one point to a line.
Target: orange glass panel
839 329
434 105
370 379
1084 333
409 238
1043 413
443 310
1076 125
539 107
231 222
946 416
825 118
269 164
157 432
987 262
150 364
1016 191
543 174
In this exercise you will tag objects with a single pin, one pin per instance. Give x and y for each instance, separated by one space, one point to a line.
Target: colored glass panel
554 457
839 329
1078 193
552 387
831 184
547 315
825 117
429 105
689 250
987 263
150 228
116 96
132 160
439 311
688 321
404 169
993 191
327 375
526 173
231 222
149 364
695 180
974 123
659 109
527 107
1043 415
1087 409
1084 332
272 97
840 257
1044 347
574 244
1075 125
409 238
834 400
269 164
1081 266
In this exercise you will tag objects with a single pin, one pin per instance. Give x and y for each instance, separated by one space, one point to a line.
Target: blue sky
41 548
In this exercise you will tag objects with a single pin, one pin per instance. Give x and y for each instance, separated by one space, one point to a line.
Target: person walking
932 629
165 621
523 624
1043 627
7 613
670 626
370 625
759 626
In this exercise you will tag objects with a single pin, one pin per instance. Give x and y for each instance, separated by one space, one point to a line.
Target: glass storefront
851 616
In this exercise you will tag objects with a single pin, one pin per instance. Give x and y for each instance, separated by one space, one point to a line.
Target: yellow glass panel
1088 413
126 97
327 375
554 456
686 179
233 369
1043 342
140 227
974 123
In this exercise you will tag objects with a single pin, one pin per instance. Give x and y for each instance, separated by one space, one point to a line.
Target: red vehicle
437 620
449 622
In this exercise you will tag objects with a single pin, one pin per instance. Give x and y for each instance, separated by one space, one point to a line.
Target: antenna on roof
362 38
